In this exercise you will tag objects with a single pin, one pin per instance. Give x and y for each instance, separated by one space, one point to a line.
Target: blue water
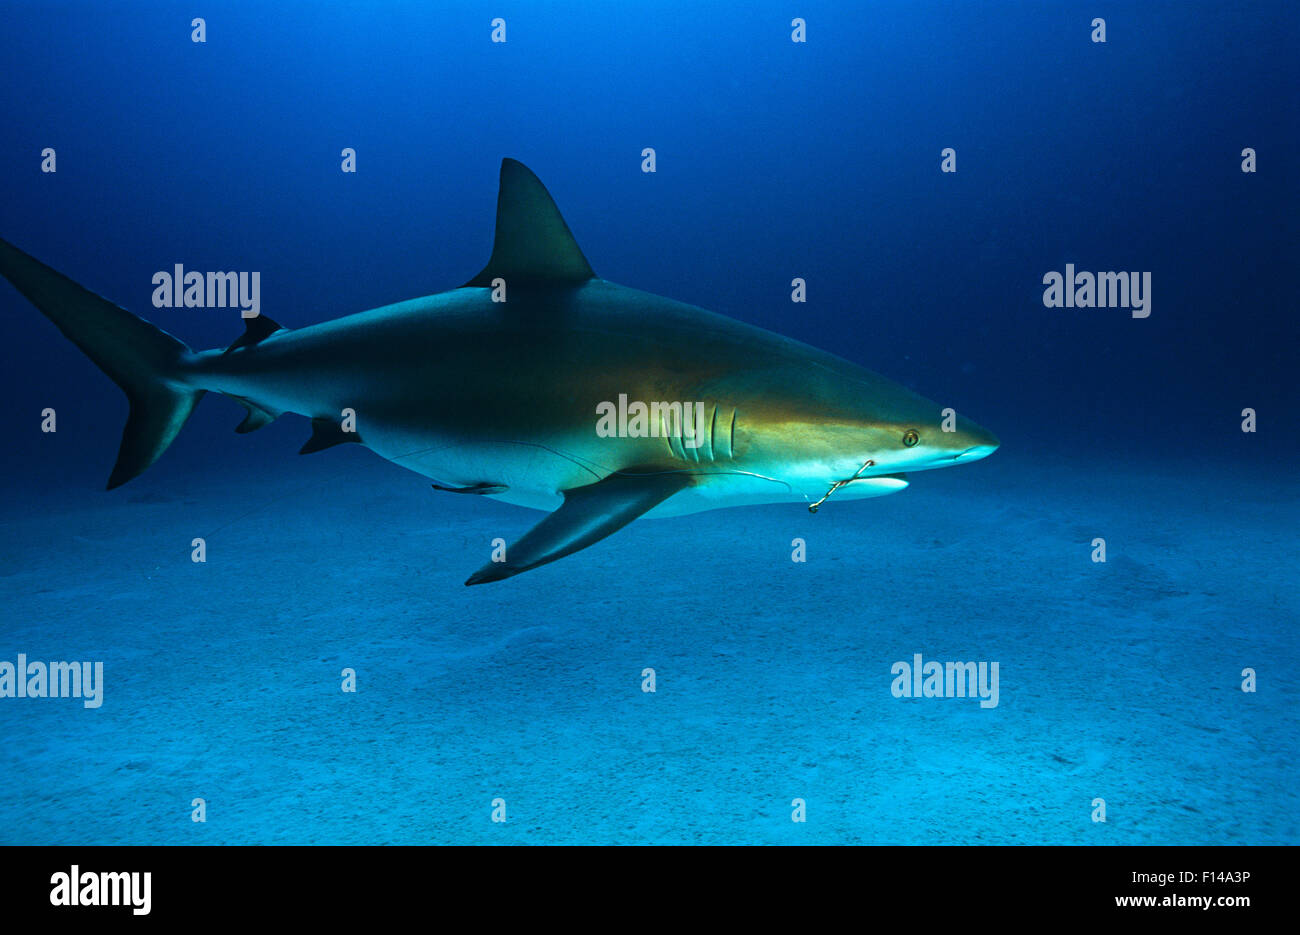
1119 681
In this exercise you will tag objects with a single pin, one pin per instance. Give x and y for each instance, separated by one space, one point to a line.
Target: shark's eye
910 438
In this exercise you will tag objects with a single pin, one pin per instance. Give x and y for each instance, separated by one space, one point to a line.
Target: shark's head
843 423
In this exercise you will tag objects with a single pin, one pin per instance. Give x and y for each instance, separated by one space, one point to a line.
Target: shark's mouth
883 483
876 485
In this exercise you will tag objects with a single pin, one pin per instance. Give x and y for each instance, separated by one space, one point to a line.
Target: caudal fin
142 359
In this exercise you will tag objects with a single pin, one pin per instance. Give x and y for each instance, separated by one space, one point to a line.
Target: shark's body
501 398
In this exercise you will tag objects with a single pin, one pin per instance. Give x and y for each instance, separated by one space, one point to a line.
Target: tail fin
142 359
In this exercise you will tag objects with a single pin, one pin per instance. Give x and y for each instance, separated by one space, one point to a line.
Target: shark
507 387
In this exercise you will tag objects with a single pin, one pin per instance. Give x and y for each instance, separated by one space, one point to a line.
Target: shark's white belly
535 473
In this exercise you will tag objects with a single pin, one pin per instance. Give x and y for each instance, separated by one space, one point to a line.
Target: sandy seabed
1119 681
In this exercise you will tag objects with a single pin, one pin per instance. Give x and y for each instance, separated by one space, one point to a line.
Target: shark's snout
976 442
970 443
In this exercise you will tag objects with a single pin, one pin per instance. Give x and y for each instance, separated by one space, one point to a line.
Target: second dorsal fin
533 245
256 329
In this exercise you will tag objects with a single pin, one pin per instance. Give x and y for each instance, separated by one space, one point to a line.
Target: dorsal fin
256 329
533 244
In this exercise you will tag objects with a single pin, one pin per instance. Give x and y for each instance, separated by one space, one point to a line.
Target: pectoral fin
587 515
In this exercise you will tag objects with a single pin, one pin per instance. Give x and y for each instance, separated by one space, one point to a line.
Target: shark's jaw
493 389
941 458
